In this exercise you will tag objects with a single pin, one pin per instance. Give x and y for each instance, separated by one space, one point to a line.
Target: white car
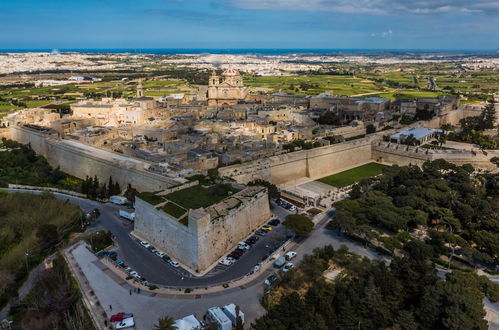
160 254
174 263
290 255
126 323
287 267
243 246
145 244
134 274
227 261
292 208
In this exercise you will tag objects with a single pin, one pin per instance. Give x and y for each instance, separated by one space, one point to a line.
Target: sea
258 51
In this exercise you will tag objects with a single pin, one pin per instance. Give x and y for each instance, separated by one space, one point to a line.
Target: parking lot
158 270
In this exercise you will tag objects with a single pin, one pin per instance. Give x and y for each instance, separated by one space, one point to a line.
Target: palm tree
165 323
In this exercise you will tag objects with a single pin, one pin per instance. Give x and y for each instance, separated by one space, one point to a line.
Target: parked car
234 255
271 280
292 208
267 228
255 268
279 262
239 251
290 255
128 270
120 262
252 239
126 323
287 267
166 258
274 222
134 274
174 263
261 232
243 246
145 244
160 254
227 261
120 317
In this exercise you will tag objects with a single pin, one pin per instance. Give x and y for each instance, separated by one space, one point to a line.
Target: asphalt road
157 271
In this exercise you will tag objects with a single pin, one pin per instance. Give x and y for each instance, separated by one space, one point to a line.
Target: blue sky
329 24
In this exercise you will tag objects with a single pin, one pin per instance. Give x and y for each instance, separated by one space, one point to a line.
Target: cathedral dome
230 72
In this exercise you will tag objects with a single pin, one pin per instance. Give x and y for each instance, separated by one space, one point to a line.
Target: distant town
232 191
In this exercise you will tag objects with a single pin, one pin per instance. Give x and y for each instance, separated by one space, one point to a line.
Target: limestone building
226 89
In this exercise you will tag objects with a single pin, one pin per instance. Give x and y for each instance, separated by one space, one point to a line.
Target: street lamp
26 256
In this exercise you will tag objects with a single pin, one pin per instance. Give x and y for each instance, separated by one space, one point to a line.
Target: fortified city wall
206 238
82 163
392 153
314 163
320 162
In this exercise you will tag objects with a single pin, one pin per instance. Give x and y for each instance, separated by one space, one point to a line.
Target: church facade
226 89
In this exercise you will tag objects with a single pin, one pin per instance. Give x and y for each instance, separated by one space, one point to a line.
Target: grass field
199 196
353 175
314 84
174 210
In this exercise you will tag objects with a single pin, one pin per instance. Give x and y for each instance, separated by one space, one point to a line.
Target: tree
299 224
48 236
130 193
441 138
239 320
273 191
495 160
329 118
165 323
488 116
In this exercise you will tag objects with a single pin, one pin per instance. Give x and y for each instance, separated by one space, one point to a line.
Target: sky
325 24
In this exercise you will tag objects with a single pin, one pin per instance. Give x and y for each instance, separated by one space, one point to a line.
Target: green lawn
353 175
174 210
199 196
151 198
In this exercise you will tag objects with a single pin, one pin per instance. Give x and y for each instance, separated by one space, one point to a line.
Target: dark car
274 222
166 258
120 262
240 251
152 249
252 240
261 232
234 255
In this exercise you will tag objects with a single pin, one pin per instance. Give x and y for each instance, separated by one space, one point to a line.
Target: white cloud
374 6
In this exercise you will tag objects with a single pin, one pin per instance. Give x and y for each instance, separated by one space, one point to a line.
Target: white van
126 323
215 314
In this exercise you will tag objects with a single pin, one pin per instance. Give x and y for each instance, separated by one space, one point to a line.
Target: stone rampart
393 153
81 163
5 133
206 238
166 233
314 163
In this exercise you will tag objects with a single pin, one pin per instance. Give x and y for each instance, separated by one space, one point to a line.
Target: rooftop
417 132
